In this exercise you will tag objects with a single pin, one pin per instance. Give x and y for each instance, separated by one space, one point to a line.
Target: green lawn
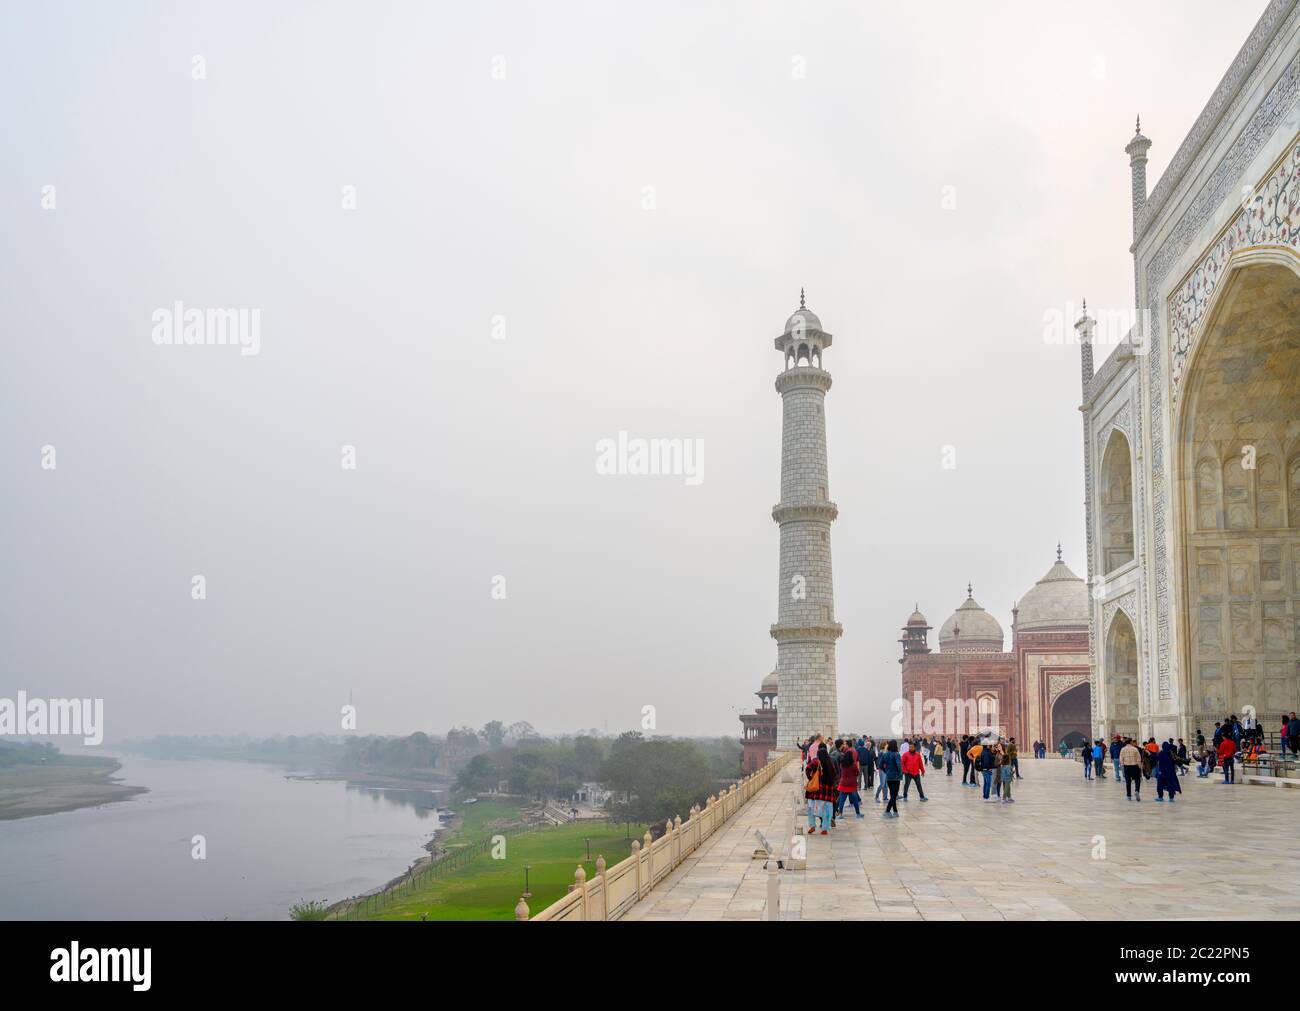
488 889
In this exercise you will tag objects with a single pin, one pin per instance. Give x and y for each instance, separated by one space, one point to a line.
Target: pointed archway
1071 716
1237 484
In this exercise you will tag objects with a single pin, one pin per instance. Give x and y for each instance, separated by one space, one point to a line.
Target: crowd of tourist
837 773
1132 761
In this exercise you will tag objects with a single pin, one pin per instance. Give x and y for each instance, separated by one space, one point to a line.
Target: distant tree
661 778
479 773
494 733
521 730
627 739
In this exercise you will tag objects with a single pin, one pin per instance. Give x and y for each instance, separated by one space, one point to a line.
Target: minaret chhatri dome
803 339
971 629
915 633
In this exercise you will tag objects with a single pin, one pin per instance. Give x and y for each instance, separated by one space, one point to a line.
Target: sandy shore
30 790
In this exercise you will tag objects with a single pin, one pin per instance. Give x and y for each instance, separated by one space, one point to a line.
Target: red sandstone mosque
1037 690
758 733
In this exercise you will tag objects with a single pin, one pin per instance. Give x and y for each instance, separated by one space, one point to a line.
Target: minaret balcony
825 511
803 376
826 631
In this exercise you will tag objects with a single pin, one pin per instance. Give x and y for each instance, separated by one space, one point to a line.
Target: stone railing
615 890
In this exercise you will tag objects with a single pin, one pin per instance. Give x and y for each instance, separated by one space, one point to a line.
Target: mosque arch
1071 716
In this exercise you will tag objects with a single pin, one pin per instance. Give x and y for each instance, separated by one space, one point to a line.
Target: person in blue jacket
987 761
891 774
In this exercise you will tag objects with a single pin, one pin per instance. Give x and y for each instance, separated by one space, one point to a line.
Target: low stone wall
613 891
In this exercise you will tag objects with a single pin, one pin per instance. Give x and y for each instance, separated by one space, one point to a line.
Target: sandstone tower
806 629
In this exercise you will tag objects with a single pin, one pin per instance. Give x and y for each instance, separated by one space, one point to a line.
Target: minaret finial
1085 308
801 300
1058 551
969 591
1138 128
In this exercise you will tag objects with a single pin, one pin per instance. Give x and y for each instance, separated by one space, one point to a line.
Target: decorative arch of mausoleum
1115 498
1237 491
1120 670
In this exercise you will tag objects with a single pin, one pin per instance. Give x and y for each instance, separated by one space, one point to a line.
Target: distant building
758 733
1038 690
591 793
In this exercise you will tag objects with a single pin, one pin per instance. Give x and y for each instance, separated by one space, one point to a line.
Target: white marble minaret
806 629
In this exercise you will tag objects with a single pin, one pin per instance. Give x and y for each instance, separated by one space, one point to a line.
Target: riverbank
472 822
72 782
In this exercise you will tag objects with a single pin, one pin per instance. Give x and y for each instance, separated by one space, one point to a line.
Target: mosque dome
769 683
980 631
1057 601
918 618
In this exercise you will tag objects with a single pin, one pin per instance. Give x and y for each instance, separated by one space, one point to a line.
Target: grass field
488 889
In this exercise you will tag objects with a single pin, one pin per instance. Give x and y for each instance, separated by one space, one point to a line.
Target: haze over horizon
562 231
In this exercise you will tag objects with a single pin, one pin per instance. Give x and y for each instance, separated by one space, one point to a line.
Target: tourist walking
913 770
987 761
949 755
820 790
891 773
1086 753
1227 753
882 789
1014 754
1116 746
1007 772
966 761
866 762
849 772
1130 760
1167 773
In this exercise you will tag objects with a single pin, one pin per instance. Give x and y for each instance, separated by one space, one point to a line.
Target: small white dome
769 683
1058 600
980 631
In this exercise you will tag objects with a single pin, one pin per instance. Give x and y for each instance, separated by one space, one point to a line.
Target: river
270 842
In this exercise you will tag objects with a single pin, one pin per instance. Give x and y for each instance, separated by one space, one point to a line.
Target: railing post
677 840
636 862
580 882
649 848
773 890
521 910
604 887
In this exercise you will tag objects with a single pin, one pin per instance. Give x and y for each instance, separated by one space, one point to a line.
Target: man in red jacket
1227 749
913 770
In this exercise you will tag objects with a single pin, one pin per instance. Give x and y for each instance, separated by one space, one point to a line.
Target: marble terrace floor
1219 852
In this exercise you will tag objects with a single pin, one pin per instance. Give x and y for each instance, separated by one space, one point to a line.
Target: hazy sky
571 220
